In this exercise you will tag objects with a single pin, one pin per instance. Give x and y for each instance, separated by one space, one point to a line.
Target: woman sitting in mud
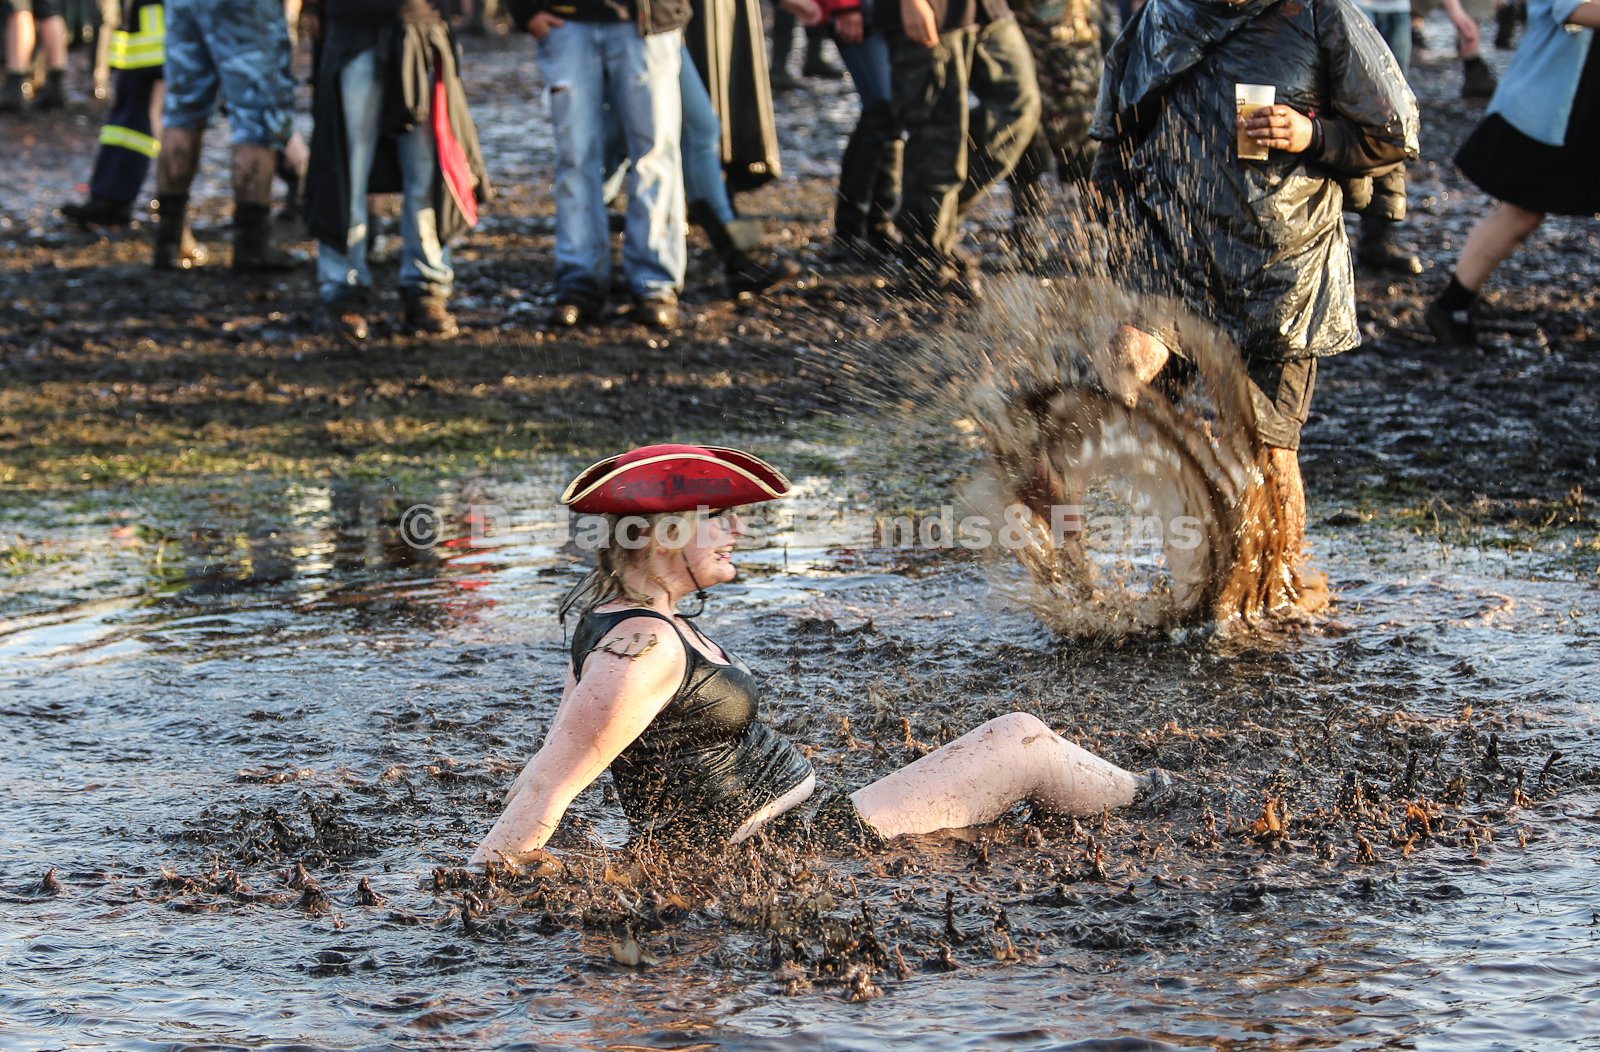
675 717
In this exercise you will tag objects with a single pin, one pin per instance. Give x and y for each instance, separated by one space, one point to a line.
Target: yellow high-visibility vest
145 47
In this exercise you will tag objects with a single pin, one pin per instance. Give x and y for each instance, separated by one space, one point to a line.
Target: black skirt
1509 166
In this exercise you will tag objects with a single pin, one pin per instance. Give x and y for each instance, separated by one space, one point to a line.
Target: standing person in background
1255 246
238 49
1477 79
939 50
1533 153
815 64
1376 248
29 22
130 137
630 55
391 115
1065 36
870 170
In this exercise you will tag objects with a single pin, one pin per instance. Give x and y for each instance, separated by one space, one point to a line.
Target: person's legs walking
1492 241
250 44
570 60
343 281
425 274
930 89
869 171
1007 88
643 81
192 85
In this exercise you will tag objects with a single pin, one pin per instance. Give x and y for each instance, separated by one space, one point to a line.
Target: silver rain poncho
1257 247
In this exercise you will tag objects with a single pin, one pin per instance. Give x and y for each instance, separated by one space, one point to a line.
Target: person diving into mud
675 717
1234 135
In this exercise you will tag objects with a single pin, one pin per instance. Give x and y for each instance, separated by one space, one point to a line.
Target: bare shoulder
641 646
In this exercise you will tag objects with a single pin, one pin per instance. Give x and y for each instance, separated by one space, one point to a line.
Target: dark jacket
651 16
729 48
406 56
1258 247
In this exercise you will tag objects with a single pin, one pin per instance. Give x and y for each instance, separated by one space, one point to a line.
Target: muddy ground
1338 780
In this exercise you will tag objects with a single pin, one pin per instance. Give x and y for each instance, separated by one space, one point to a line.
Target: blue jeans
702 147
585 66
869 170
424 263
1395 29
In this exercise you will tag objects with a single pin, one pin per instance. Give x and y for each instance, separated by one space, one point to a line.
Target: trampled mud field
252 731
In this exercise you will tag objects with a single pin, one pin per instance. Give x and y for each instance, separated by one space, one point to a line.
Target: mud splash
1142 507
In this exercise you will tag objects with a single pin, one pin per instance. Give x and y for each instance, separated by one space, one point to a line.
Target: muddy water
198 699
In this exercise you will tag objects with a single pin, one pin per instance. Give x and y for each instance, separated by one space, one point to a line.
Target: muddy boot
344 318
1376 249
53 96
12 99
99 212
175 246
1477 79
428 313
253 250
743 274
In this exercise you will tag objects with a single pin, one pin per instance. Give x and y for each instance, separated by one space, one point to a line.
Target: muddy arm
626 681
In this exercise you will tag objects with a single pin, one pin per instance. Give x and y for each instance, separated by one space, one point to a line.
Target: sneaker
428 313
954 276
657 311
1477 80
1453 330
746 276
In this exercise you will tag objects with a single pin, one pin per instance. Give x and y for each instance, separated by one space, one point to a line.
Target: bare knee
1017 727
1522 221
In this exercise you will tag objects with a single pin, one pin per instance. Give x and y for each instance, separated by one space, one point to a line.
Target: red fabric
453 165
673 477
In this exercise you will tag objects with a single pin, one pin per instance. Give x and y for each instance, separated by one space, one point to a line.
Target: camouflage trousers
943 178
1064 36
240 50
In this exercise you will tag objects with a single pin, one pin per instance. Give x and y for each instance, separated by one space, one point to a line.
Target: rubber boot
253 250
743 274
1477 79
12 99
1376 249
175 246
53 96
815 65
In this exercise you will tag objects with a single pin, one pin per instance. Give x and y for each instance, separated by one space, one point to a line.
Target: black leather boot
1376 249
743 274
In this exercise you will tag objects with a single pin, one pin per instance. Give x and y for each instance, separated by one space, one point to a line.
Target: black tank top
706 763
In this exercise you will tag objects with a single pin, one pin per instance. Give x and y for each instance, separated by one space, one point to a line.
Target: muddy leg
178 159
979 776
1133 359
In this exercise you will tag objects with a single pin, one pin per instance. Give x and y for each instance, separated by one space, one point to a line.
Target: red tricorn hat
663 478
